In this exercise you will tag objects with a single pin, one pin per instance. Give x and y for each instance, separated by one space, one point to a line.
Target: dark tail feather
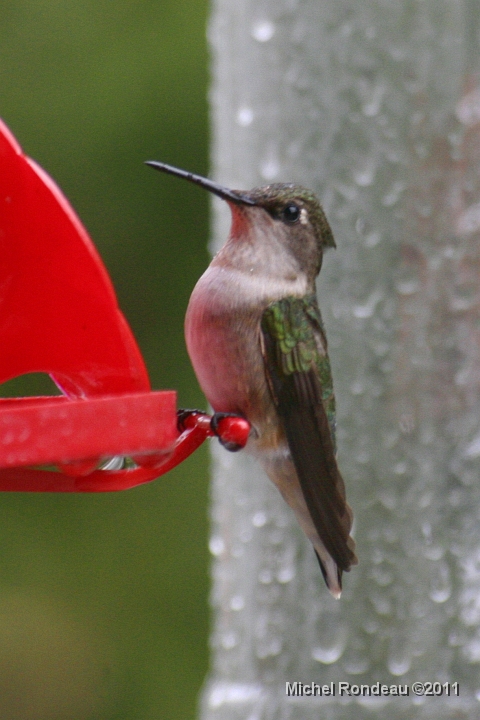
324 573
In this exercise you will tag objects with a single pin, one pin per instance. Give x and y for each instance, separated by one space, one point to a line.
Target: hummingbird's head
284 215
299 219
297 208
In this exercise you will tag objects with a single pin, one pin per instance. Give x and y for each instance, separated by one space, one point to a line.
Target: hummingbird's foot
232 430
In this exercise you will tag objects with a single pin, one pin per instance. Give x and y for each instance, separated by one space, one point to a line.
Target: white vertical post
375 105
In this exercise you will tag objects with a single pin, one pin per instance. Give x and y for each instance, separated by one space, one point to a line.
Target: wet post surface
376 107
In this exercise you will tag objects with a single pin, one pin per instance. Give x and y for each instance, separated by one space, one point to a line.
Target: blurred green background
103 599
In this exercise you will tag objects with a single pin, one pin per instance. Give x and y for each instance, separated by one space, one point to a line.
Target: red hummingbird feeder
59 315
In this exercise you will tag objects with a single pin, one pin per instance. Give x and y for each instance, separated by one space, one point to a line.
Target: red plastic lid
58 310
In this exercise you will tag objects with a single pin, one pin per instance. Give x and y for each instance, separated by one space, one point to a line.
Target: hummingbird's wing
299 376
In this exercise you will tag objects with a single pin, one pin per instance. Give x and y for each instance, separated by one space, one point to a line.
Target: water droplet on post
245 116
263 30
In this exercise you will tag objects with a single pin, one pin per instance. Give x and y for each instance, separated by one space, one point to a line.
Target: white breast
222 332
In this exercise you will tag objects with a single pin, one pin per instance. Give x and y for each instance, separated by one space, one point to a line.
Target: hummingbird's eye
291 213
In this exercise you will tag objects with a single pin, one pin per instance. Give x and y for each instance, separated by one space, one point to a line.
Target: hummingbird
257 343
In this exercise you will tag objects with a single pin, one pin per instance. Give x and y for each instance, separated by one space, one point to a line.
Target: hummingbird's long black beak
209 185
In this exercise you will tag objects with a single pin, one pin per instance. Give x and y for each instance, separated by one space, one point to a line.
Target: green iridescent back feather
294 324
